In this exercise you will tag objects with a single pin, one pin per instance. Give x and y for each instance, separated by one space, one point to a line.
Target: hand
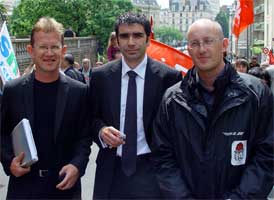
15 166
111 136
71 174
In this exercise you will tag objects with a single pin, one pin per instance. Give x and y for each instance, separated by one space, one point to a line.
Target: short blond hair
47 25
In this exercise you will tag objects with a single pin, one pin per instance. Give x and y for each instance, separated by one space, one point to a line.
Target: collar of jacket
229 84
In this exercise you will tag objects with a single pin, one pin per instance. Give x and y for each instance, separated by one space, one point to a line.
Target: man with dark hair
254 62
56 107
213 135
68 68
126 94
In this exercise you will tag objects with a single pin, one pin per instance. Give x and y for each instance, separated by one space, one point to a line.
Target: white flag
8 64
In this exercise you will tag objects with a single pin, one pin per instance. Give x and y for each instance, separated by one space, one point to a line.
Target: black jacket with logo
217 153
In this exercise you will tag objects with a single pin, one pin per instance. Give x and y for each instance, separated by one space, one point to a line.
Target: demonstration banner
244 16
8 64
170 56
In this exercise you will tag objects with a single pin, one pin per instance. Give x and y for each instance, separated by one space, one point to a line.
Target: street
87 179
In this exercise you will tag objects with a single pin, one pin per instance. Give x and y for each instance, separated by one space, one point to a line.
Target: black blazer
105 88
72 142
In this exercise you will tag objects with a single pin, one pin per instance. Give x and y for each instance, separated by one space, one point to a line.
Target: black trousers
40 185
141 185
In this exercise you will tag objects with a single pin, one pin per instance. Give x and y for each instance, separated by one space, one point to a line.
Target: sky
164 3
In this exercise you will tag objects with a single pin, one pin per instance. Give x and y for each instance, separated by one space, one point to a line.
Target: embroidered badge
238 152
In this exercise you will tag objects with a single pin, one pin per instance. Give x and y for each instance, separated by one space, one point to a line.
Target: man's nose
131 40
201 47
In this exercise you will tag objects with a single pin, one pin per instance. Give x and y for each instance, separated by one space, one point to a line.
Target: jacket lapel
115 92
28 98
61 99
150 90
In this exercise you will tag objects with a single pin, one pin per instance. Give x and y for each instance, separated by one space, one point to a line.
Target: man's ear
225 44
64 50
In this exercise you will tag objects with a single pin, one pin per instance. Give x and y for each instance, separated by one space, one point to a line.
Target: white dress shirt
140 70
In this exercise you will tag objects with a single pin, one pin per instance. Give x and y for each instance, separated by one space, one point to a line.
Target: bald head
206 24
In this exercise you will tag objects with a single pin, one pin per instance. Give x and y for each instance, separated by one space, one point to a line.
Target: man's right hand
15 167
111 136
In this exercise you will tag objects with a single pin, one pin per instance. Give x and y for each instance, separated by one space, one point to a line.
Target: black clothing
74 74
221 153
68 140
44 110
105 86
251 65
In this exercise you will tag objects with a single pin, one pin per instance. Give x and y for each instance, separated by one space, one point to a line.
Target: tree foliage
168 34
85 17
3 11
223 19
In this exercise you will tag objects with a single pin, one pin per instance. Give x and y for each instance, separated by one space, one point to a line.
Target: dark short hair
261 73
133 18
69 57
242 62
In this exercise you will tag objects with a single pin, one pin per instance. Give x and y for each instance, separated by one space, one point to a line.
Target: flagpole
236 47
247 43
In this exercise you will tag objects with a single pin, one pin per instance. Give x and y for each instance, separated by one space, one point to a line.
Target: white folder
22 141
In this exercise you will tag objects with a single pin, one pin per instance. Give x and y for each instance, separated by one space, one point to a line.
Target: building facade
150 8
182 13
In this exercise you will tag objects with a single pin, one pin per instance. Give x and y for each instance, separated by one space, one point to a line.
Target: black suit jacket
71 140
106 96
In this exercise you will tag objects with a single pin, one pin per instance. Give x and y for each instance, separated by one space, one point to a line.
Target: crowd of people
261 71
208 135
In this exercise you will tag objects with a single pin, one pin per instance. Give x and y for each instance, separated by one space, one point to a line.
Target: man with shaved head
213 134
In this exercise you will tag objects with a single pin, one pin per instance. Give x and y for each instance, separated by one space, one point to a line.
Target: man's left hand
70 174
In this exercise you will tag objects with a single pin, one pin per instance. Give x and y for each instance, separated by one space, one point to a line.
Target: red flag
151 26
169 56
244 16
271 57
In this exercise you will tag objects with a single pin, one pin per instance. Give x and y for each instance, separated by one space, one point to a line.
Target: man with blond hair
55 106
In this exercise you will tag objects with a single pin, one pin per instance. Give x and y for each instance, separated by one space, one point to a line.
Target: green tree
85 17
69 13
168 34
223 19
102 15
3 11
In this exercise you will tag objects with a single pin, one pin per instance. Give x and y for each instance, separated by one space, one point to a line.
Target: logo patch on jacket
238 152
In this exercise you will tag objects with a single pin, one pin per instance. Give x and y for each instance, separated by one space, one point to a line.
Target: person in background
262 74
254 62
69 33
112 47
76 65
56 107
98 64
270 70
125 95
213 135
68 68
118 55
241 65
86 69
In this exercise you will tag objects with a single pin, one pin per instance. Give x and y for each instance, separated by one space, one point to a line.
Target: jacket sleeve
164 157
257 180
5 140
95 116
